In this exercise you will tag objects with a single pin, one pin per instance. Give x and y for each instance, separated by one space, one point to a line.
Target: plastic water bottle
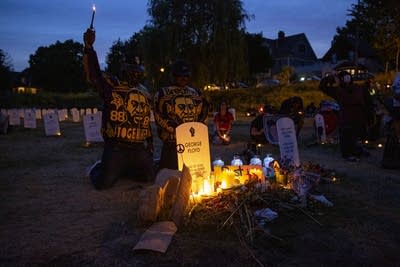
236 161
267 160
218 162
255 160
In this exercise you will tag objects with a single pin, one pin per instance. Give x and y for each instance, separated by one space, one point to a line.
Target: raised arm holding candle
125 120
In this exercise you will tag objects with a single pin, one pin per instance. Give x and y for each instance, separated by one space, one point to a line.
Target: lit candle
94 11
207 187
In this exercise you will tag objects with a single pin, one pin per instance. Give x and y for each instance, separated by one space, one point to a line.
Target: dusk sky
25 25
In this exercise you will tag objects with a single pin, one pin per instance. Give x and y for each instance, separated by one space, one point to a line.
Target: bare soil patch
50 215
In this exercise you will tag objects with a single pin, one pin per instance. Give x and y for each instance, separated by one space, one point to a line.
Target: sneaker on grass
93 168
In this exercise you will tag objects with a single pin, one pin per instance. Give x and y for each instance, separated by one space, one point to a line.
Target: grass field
50 215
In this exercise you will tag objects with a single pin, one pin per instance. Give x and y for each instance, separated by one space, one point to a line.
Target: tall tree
259 59
377 23
5 71
58 67
208 33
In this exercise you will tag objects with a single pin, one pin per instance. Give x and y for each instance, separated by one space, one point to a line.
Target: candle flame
94 8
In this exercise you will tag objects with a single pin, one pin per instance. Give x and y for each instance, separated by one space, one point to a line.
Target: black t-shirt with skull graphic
176 105
126 110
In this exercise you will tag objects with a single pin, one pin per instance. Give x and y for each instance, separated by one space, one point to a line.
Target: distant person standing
126 130
175 105
396 105
353 118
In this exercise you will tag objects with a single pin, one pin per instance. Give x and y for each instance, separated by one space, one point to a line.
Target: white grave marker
51 124
38 114
92 127
29 119
14 117
194 151
287 140
62 114
88 111
75 114
320 130
21 113
82 111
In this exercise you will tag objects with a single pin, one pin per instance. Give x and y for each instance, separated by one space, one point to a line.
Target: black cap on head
181 68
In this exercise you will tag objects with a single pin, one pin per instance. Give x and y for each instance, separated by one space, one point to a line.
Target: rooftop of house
296 45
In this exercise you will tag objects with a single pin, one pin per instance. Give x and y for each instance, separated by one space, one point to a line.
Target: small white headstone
287 140
75 114
21 113
29 119
82 111
51 124
88 111
194 151
320 130
38 114
14 117
92 127
95 110
62 114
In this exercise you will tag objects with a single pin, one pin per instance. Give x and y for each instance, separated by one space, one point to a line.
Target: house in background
355 56
294 51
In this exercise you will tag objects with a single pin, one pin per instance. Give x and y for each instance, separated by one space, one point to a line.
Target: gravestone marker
92 127
29 119
287 140
38 114
14 118
62 114
194 151
320 130
75 115
51 124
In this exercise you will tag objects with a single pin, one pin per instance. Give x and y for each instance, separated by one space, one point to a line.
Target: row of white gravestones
74 114
52 118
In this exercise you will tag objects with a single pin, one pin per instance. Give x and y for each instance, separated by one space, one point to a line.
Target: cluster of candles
227 176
